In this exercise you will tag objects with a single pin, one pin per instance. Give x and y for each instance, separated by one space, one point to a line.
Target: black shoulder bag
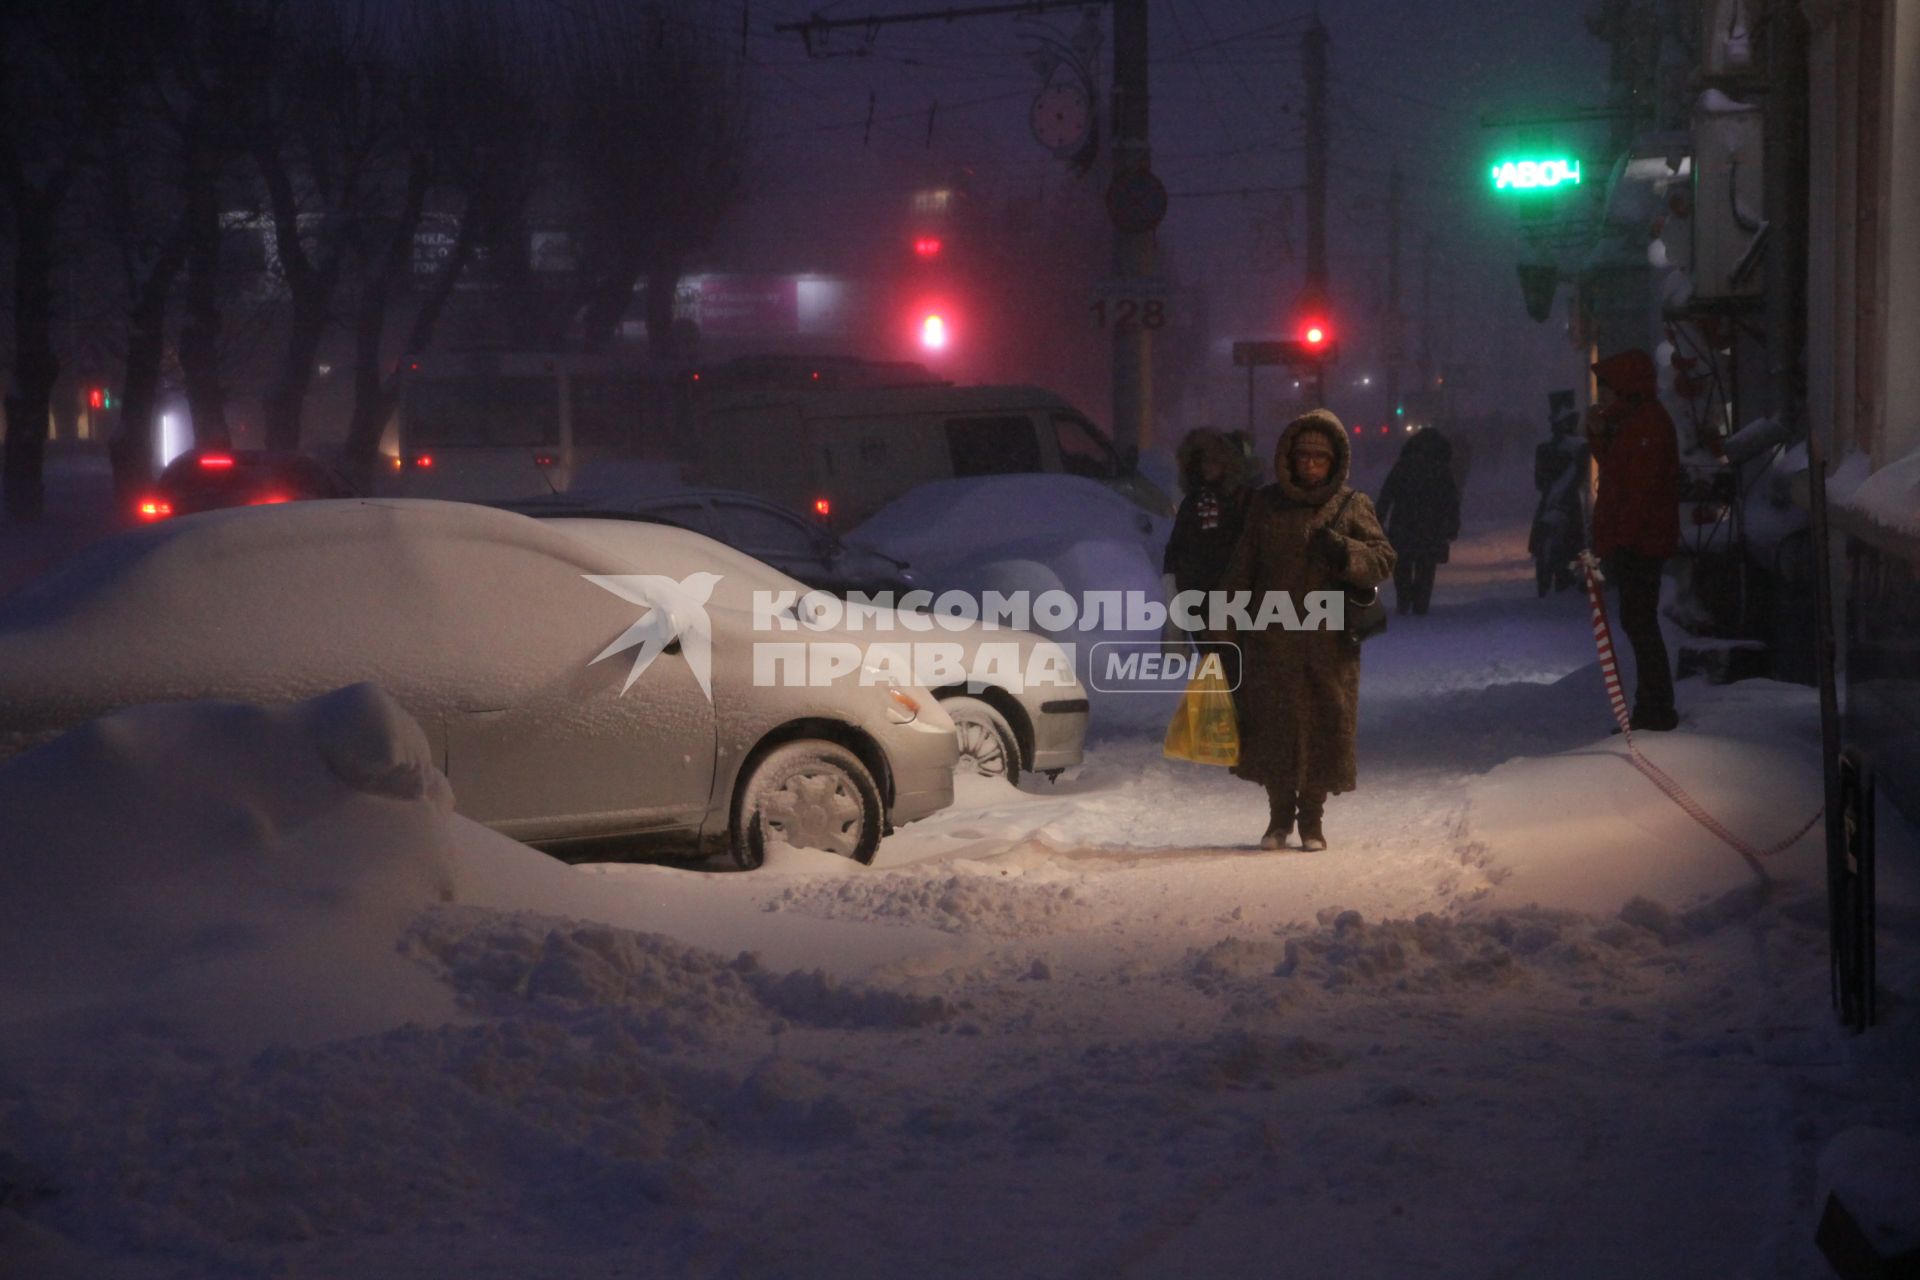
1366 612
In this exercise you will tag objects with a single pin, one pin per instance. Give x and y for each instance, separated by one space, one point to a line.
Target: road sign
1136 201
1288 352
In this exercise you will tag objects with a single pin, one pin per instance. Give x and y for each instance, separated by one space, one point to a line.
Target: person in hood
1636 516
1300 692
1213 507
1420 506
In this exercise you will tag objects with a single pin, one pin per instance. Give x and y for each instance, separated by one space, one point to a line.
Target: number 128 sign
1121 304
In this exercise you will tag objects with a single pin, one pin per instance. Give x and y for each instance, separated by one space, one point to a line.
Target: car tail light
822 508
423 461
153 509
545 460
217 461
268 499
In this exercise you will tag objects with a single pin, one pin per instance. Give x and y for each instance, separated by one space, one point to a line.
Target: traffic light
933 331
927 247
99 398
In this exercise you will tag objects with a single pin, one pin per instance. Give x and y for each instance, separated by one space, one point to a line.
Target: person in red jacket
1636 516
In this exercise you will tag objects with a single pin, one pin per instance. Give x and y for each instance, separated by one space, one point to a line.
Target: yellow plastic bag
1204 728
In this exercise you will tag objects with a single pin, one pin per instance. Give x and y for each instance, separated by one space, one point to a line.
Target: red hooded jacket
1638 506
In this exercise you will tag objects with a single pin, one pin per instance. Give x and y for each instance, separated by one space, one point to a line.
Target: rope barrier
1616 697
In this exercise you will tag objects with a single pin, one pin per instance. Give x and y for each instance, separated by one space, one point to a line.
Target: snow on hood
240 868
432 600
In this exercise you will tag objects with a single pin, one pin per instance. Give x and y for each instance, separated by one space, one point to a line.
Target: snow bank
1585 831
243 870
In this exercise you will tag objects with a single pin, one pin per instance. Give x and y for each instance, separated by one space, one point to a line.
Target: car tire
988 746
812 794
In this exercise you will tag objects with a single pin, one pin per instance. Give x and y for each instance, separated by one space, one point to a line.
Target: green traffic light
1400 410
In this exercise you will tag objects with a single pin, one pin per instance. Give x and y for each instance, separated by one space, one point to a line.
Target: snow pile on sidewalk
243 870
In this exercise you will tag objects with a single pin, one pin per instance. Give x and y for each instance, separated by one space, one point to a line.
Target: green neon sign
1536 175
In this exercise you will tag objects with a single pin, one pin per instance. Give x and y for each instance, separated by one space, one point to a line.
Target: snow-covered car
1006 726
573 697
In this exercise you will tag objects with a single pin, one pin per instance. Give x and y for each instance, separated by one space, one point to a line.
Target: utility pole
1313 56
1134 250
1393 292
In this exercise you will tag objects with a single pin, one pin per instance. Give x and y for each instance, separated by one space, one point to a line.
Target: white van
844 454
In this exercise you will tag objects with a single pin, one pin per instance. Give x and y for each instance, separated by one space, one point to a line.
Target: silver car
1006 727
575 698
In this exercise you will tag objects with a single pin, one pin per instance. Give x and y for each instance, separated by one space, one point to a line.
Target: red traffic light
933 331
97 398
927 247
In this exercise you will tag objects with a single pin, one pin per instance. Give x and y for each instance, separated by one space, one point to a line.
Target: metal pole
1313 54
1393 292
1249 400
1133 252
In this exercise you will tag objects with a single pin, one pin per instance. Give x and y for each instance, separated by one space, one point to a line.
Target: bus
487 425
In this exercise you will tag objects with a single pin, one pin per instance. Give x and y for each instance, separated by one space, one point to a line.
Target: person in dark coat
1300 698
1213 507
1636 517
1560 464
1420 506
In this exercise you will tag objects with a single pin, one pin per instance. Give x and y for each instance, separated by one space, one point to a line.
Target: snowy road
1521 1019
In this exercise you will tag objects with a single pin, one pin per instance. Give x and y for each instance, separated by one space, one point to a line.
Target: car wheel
812 795
987 743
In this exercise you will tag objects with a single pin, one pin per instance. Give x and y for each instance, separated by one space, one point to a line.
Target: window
497 411
610 410
992 446
1083 451
757 529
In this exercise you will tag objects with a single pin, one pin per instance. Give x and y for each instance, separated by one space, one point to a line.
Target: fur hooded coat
1299 697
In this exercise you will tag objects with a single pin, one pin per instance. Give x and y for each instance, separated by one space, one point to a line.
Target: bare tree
470 134
59 83
653 122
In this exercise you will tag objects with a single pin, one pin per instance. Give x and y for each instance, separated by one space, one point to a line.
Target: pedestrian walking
1560 464
1636 517
1213 507
1420 506
1300 696
1214 498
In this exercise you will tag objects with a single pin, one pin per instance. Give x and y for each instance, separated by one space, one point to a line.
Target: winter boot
1312 806
1279 819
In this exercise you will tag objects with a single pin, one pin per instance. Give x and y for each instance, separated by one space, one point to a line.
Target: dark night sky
1409 82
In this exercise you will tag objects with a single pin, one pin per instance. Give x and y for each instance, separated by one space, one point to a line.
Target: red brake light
927 246
423 460
822 508
216 461
154 509
268 499
544 460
